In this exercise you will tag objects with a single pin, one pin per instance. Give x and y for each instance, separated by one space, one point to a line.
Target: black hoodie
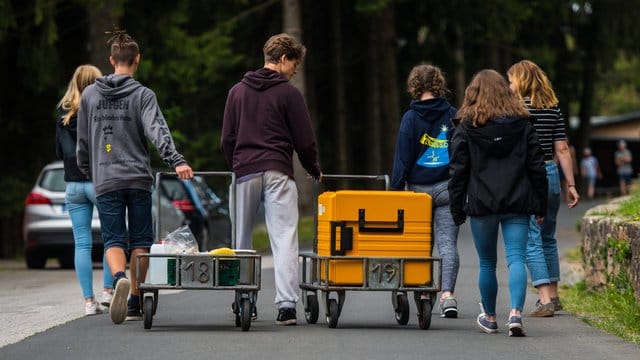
66 137
497 168
265 120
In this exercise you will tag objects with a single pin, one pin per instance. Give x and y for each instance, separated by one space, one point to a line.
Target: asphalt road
41 316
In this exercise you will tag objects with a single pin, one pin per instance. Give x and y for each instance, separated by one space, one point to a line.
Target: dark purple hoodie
265 120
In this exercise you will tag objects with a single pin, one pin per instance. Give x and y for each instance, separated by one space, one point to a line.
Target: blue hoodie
422 148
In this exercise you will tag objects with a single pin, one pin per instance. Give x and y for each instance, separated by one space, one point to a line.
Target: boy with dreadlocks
116 117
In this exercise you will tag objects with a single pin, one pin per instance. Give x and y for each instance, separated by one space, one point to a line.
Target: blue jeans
485 237
135 205
80 198
445 231
542 248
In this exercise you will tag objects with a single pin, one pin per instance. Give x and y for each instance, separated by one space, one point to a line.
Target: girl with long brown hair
498 180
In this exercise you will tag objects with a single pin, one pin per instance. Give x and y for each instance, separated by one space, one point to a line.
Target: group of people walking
102 133
491 161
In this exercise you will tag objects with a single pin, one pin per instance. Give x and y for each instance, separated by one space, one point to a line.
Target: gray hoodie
116 117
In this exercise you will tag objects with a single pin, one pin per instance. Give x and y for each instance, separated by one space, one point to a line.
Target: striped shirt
549 125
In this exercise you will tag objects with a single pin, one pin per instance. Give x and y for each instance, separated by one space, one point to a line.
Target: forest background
354 76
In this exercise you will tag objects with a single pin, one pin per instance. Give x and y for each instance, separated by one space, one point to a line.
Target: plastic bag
181 241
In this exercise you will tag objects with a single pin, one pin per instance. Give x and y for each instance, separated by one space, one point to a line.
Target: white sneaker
93 308
118 307
105 300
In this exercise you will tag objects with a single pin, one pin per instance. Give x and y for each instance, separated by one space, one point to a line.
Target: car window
205 191
174 189
198 187
53 180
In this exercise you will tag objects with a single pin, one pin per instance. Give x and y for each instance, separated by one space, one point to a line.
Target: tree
102 15
292 24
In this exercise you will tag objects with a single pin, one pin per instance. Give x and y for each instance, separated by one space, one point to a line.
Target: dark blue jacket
422 148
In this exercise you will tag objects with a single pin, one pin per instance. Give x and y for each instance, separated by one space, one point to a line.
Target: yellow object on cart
376 224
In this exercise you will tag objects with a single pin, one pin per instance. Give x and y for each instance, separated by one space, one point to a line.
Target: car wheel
35 260
66 261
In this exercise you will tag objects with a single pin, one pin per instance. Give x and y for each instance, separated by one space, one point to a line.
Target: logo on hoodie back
436 153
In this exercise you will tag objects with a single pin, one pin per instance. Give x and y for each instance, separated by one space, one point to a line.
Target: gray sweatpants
278 194
445 231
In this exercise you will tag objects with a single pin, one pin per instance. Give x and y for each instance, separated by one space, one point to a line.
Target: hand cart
338 271
204 271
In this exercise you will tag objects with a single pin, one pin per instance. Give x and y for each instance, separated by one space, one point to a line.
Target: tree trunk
102 16
389 106
291 11
341 154
493 55
589 66
11 235
459 80
372 89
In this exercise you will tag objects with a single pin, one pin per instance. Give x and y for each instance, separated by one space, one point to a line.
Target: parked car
47 228
206 212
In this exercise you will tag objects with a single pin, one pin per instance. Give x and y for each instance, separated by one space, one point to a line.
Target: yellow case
377 224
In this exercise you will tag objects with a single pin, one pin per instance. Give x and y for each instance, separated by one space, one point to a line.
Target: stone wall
611 247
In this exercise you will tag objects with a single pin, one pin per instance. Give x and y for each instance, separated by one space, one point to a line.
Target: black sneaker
133 309
286 316
118 308
515 326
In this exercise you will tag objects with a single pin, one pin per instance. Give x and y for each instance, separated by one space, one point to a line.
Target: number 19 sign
384 273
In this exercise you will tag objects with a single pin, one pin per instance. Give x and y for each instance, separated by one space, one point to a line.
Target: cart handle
383 177
197 173
316 191
232 198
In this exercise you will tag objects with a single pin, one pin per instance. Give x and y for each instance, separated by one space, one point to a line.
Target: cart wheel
313 309
334 313
245 314
424 318
148 312
155 301
402 309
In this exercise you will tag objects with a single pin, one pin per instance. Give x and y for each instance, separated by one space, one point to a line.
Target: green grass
612 310
574 254
305 234
631 208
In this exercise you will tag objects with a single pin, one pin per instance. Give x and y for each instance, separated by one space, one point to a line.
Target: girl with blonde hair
498 180
80 197
532 86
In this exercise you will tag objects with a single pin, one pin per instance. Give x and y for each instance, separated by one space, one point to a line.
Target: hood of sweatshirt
499 136
116 86
430 110
262 79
